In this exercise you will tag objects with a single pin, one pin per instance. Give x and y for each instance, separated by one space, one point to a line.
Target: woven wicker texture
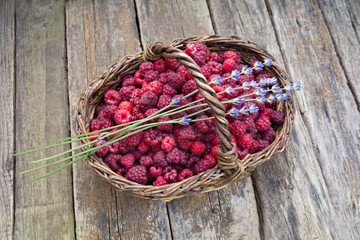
229 167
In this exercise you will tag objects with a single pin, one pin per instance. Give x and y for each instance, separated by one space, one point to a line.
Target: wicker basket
229 167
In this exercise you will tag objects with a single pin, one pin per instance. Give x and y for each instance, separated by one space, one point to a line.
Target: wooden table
50 51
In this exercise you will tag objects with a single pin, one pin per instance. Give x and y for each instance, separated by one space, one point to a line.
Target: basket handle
227 158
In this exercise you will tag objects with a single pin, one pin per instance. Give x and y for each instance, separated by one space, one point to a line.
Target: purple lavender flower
246 86
297 86
271 98
260 99
289 87
260 91
244 110
234 112
185 120
283 96
254 84
258 66
238 101
235 74
253 109
246 70
217 80
229 90
268 62
276 89
175 101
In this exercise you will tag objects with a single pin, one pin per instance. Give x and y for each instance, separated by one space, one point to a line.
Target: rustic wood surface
50 51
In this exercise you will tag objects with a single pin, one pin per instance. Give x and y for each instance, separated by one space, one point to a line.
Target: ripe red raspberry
121 171
148 99
262 144
216 68
182 71
155 87
244 78
95 125
108 112
214 151
152 137
167 127
111 160
249 122
128 80
114 148
143 147
150 76
170 174
173 156
214 57
192 161
262 124
94 136
146 66
202 126
238 128
211 159
106 123
176 80
241 154
197 148
169 90
184 144
202 166
164 100
125 93
206 70
146 161
230 55
189 87
262 76
139 78
184 174
168 143
172 64
254 147
219 89
159 65
200 58
277 117
134 139
186 132
122 116
266 112
112 97
160 159
245 141
216 140
128 160
160 181
163 78
125 105
102 152
150 112
155 171
137 174
228 65
269 135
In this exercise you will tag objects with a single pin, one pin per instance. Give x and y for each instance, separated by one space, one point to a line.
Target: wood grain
353 8
43 209
346 44
216 215
289 192
98 34
7 98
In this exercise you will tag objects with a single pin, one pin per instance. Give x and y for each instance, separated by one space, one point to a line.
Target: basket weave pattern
229 167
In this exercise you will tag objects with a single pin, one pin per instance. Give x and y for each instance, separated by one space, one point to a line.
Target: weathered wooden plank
353 7
43 210
290 193
7 97
346 43
216 215
331 117
98 34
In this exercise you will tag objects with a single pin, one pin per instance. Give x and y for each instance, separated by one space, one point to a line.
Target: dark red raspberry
202 126
150 112
241 154
100 108
214 57
112 97
125 93
228 65
159 65
216 68
114 148
128 160
160 181
230 55
155 87
184 72
200 58
184 174
148 99
202 166
108 112
237 128
160 159
172 64
137 174
164 100
245 141
95 125
245 78
152 137
121 171
170 174
146 161
262 124
146 66
122 116
150 76
111 160
134 139
168 143
262 144
169 90
216 140
214 151
189 87
173 156
211 159
163 78
210 135
155 171
262 76
176 80
167 127
255 133
125 105
197 148
266 112
102 152
186 132
184 144
277 117
269 135
139 78
143 147
128 81
249 122
206 70
254 146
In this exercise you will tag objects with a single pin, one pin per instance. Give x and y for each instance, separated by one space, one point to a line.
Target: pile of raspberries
173 152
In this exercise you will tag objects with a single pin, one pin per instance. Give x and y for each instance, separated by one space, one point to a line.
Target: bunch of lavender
261 90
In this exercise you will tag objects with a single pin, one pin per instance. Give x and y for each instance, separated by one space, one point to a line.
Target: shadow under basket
229 168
